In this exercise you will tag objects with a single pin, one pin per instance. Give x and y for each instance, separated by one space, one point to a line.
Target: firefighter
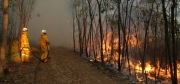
24 47
44 44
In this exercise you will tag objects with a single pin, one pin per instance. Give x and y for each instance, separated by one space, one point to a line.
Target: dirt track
64 67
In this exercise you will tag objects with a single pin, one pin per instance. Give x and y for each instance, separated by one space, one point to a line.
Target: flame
150 70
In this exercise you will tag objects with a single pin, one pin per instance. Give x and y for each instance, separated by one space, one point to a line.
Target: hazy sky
55 18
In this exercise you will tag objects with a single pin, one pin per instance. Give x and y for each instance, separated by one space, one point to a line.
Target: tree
119 35
171 53
174 51
101 29
4 40
1 15
152 23
91 28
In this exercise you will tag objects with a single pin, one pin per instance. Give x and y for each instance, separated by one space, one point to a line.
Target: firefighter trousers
44 56
25 53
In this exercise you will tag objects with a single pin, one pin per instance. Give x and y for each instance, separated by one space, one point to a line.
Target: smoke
55 17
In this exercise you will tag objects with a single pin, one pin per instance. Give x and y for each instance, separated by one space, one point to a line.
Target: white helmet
24 29
43 31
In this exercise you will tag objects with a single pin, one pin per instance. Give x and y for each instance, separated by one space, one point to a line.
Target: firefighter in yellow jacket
24 47
44 44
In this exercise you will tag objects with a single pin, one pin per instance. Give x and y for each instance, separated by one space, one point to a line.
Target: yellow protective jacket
24 40
44 42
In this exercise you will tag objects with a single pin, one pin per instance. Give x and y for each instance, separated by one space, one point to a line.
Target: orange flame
150 70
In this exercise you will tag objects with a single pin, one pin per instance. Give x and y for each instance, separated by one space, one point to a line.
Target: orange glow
136 68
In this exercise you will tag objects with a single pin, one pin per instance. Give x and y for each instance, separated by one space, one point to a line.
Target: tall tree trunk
174 55
90 35
167 46
119 36
84 21
79 31
127 47
4 40
155 43
84 32
146 25
101 30
124 28
74 41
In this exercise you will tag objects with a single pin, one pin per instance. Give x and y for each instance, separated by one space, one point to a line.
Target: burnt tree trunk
101 30
174 55
119 36
167 46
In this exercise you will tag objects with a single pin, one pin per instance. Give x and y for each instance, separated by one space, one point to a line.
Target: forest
139 38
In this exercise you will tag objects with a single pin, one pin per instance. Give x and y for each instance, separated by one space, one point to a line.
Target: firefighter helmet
43 31
24 29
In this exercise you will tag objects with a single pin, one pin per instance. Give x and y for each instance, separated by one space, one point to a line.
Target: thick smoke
55 17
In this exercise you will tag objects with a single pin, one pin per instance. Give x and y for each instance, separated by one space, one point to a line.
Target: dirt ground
64 67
